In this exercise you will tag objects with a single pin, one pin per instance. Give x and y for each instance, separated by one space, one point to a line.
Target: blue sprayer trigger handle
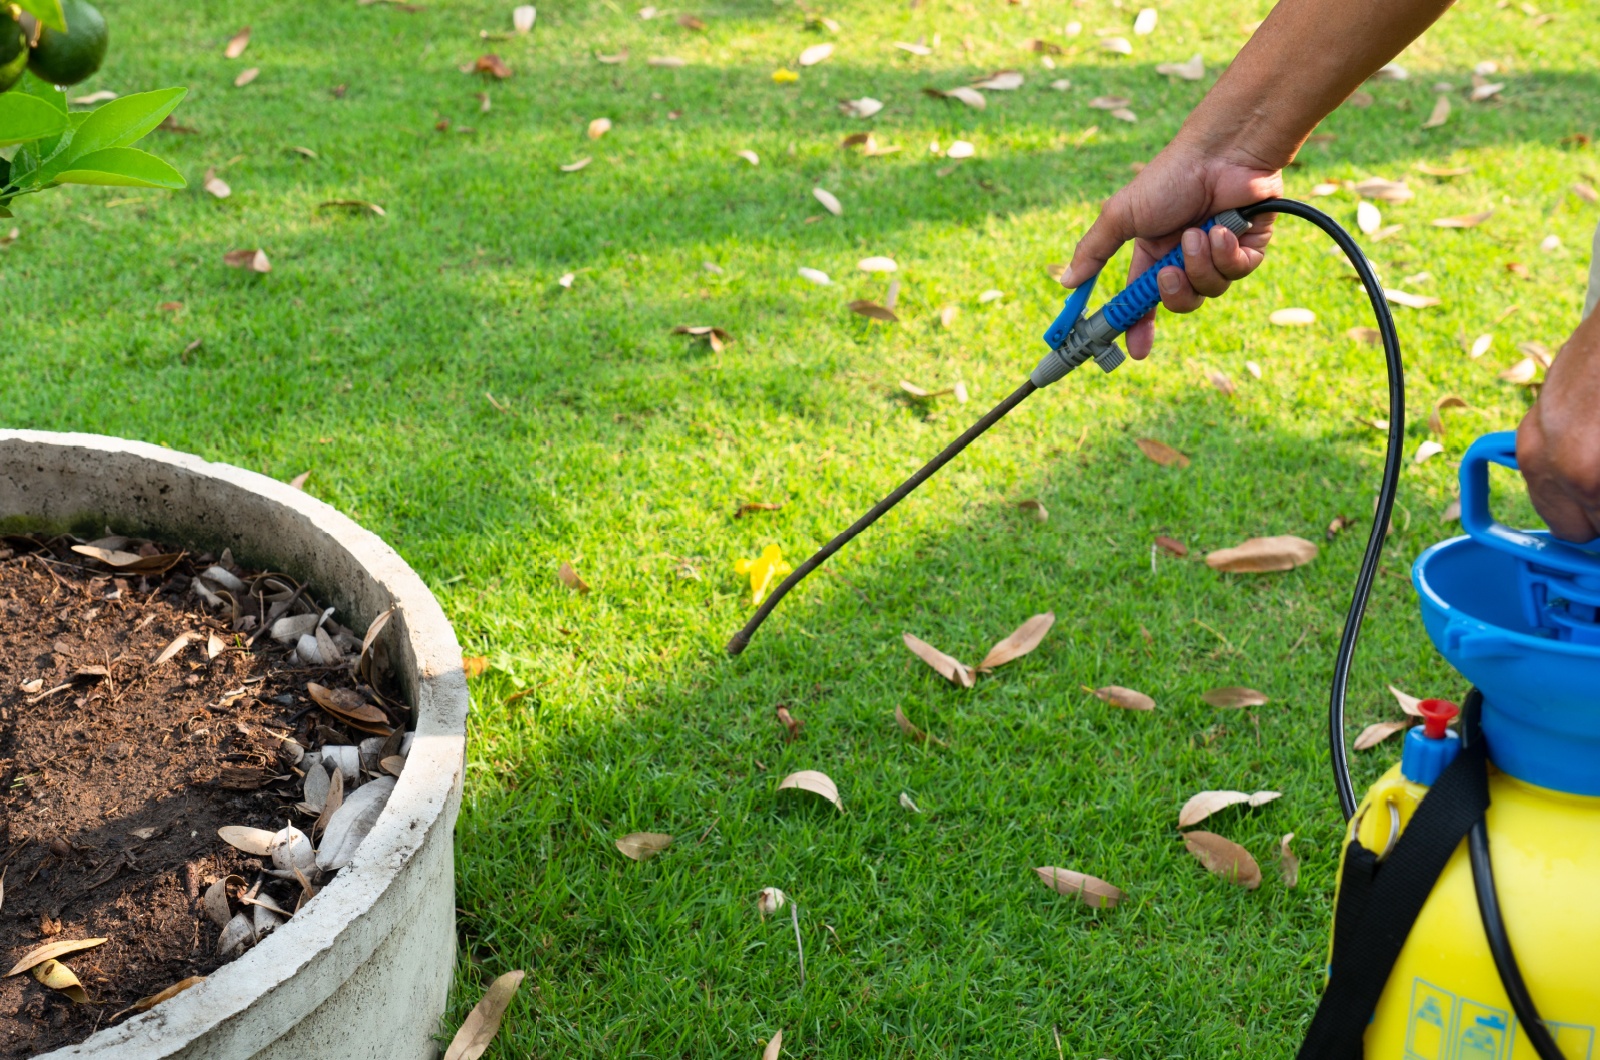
1140 296
1070 313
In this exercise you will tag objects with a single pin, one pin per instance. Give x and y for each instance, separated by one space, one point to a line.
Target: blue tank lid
1518 614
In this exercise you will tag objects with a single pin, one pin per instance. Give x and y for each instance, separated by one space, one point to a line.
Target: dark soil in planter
116 772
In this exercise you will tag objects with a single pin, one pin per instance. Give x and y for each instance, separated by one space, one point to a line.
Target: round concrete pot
364 970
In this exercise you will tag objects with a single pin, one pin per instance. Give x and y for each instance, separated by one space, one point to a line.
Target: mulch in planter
116 769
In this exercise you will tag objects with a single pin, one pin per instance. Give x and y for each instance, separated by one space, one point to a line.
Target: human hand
1180 188
1558 442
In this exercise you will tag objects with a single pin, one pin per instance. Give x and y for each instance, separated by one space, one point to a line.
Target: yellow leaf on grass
814 782
483 1022
764 571
642 846
1022 640
1225 858
1092 890
1261 555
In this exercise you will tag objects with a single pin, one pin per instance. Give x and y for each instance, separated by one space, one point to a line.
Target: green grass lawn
366 355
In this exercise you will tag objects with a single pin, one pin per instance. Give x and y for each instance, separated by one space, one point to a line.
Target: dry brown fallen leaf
254 260
668 61
483 1022
1452 511
1442 171
347 705
642 846
181 641
868 308
474 665
49 951
1261 555
1294 316
1234 696
914 49
237 44
1092 890
1022 640
569 578
1370 336
1000 81
246 76
1161 452
215 185
1383 190
952 669
1408 703
916 734
774 1047
1378 732
814 782
1522 373
1035 508
145 1004
689 22
716 337
130 562
1368 218
1118 45
970 96
58 976
255 841
789 722
1467 220
829 201
815 54
573 167
522 17
1206 803
1586 192
1288 864
1126 698
756 506
353 204
1193 70
1225 858
490 64
1441 113
1436 418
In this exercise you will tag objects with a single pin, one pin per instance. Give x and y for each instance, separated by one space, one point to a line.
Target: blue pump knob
1430 748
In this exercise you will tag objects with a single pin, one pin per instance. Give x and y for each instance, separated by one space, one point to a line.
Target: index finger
1105 237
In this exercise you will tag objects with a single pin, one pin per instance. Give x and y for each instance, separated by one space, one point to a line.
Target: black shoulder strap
1384 901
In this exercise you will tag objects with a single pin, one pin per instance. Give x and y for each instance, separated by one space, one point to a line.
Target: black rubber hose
1386 491
1494 924
742 638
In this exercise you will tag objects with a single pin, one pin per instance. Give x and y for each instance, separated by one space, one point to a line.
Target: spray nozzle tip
1437 714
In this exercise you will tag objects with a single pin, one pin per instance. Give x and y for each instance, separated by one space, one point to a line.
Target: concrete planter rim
56 480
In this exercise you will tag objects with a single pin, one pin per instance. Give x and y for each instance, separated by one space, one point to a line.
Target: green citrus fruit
70 57
13 52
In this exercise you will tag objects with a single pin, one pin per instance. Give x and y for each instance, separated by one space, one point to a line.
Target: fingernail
1219 237
1168 279
1191 241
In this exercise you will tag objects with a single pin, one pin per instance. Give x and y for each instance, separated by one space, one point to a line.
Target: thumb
1110 230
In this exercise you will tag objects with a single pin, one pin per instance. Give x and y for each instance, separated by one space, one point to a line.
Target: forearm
1306 59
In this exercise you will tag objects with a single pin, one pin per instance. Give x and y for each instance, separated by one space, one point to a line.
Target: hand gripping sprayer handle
1073 339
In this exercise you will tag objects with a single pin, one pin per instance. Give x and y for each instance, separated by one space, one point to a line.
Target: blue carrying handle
1129 305
1476 519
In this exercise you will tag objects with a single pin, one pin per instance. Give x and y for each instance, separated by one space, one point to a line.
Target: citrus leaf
24 118
126 167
